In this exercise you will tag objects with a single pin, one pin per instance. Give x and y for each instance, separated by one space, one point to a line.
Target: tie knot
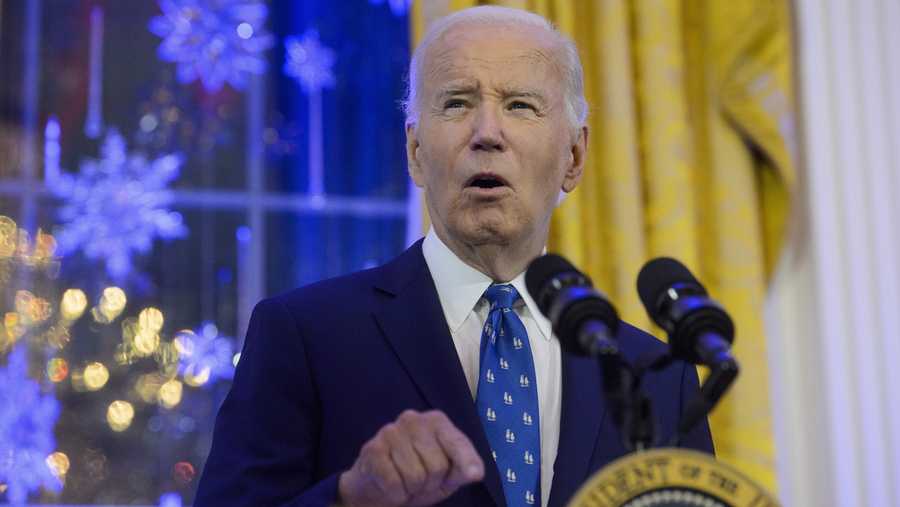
501 296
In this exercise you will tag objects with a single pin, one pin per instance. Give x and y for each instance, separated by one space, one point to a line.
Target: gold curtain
690 156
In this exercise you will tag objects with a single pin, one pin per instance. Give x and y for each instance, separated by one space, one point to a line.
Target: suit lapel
583 409
411 318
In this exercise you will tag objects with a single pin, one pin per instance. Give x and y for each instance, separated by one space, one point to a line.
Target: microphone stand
724 370
631 409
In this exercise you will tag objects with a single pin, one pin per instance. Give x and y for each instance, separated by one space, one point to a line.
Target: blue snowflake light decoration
309 62
398 7
217 41
27 418
205 356
117 205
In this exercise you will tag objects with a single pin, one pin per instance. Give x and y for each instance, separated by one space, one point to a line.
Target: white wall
834 312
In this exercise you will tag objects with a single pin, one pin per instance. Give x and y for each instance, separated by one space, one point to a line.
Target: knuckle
408 416
415 479
392 485
437 417
388 431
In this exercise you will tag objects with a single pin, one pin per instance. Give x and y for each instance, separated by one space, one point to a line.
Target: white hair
573 74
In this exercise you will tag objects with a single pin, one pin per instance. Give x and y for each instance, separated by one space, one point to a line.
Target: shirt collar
460 286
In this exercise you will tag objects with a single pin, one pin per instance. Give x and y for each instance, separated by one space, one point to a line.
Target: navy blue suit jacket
326 366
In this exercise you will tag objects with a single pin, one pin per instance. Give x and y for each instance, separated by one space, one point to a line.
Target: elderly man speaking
434 379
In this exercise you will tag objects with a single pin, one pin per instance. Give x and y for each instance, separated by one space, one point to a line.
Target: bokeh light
183 472
31 309
111 305
151 319
119 415
58 463
73 304
95 376
57 369
170 393
148 385
57 336
196 376
8 236
167 357
44 247
145 342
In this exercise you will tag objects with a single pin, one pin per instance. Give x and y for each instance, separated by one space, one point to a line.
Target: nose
487 131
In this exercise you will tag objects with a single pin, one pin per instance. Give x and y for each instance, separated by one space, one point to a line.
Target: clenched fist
419 459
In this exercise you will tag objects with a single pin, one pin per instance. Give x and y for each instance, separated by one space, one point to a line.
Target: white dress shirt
460 287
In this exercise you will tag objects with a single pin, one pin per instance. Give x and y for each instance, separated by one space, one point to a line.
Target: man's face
493 146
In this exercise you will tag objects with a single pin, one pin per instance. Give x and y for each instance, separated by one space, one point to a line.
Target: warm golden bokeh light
167 357
95 376
58 463
57 369
73 304
170 393
32 309
151 319
8 236
145 342
148 385
119 415
12 325
111 304
44 246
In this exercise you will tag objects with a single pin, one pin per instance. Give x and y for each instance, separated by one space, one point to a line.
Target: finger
431 453
379 470
406 459
465 464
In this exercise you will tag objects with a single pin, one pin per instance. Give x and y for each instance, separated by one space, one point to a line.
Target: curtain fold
690 155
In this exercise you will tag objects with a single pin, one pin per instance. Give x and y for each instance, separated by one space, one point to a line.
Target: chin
482 231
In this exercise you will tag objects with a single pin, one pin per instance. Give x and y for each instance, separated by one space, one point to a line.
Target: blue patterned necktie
507 399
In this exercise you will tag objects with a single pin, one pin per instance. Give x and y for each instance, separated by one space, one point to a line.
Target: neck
500 260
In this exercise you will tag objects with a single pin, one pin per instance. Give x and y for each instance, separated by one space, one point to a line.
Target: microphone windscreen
541 271
657 276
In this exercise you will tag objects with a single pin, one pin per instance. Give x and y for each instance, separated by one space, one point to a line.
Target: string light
111 304
95 376
170 394
73 304
119 415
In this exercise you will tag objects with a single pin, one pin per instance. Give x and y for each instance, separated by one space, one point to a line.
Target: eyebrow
458 89
506 92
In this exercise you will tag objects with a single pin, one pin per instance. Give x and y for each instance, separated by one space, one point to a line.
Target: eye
454 104
519 105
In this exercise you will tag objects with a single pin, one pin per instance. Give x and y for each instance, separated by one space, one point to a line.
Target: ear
577 154
412 155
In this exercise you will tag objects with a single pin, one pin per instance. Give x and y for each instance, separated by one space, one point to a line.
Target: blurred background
165 164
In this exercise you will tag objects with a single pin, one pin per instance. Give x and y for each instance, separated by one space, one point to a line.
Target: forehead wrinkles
450 64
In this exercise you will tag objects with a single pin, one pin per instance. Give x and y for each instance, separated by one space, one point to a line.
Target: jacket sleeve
699 438
266 432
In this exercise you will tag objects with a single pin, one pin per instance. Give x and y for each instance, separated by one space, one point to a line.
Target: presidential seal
671 478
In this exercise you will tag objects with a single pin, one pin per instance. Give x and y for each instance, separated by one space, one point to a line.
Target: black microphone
583 318
699 329
586 323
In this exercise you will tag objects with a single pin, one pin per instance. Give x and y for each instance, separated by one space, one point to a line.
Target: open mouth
486 181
